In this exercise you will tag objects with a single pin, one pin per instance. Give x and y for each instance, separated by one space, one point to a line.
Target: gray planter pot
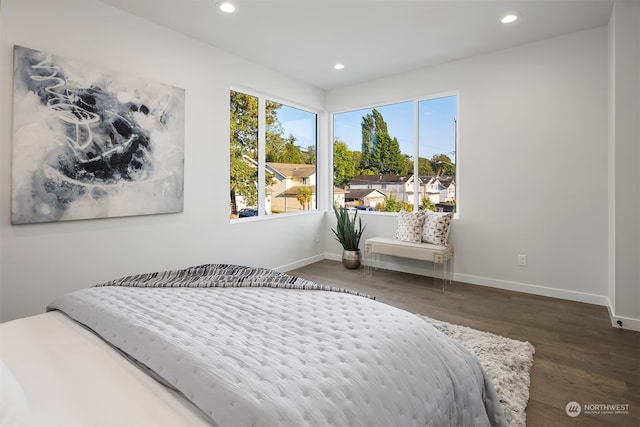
351 259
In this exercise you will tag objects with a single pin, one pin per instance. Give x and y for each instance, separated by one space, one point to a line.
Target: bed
229 345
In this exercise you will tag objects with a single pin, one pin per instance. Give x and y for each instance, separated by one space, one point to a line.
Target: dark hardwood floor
579 356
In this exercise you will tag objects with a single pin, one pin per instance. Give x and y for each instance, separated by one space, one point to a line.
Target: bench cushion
419 251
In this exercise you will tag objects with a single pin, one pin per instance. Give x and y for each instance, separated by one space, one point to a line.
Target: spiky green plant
346 232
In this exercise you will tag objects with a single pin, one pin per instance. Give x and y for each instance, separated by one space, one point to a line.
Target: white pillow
410 226
436 227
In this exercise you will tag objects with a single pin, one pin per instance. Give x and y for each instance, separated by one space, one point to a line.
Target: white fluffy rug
506 361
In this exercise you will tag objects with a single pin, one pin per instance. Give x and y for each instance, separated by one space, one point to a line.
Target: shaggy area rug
506 361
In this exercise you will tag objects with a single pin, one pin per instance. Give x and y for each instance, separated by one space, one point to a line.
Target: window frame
416 143
262 128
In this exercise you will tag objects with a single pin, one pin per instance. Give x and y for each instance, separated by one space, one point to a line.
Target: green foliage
406 165
368 143
291 153
243 148
391 204
304 197
388 155
442 165
344 163
424 167
284 150
380 152
310 157
427 204
346 232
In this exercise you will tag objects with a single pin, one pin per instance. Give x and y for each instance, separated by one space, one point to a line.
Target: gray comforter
253 347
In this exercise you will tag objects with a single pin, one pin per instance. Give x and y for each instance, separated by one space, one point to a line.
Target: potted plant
349 236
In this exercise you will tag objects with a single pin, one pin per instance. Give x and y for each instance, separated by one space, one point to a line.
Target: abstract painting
93 143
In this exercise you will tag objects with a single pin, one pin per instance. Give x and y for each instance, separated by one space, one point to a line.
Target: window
273 154
244 155
406 151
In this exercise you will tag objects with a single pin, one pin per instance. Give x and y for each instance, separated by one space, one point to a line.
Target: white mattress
70 377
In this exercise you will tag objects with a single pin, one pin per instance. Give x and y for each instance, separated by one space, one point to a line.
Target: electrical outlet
522 260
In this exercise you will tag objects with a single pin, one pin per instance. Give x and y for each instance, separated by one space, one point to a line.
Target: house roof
292 170
293 190
363 193
380 178
338 190
444 180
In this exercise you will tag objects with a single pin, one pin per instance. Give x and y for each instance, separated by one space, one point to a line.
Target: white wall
624 161
40 261
533 120
533 123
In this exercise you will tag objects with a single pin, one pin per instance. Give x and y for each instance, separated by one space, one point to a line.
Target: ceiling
372 38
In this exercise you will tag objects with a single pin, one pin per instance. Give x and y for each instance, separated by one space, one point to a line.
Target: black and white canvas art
93 143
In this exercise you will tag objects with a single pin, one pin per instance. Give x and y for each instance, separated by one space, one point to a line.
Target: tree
244 145
442 165
304 197
310 157
391 204
388 155
424 167
290 152
368 144
344 163
380 152
356 157
243 149
427 204
406 165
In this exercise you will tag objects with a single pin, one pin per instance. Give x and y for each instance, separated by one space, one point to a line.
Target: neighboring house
363 197
401 186
287 201
339 196
288 179
448 185
439 189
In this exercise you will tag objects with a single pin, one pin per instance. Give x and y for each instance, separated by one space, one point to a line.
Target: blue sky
299 123
436 132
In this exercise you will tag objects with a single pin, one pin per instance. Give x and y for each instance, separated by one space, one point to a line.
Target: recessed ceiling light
338 66
226 6
509 19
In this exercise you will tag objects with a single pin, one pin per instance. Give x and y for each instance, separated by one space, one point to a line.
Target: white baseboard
333 257
533 289
300 263
627 322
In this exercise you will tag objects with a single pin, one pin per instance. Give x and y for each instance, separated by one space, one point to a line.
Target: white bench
437 255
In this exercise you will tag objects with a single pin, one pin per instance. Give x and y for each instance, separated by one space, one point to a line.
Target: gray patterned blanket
223 276
252 347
